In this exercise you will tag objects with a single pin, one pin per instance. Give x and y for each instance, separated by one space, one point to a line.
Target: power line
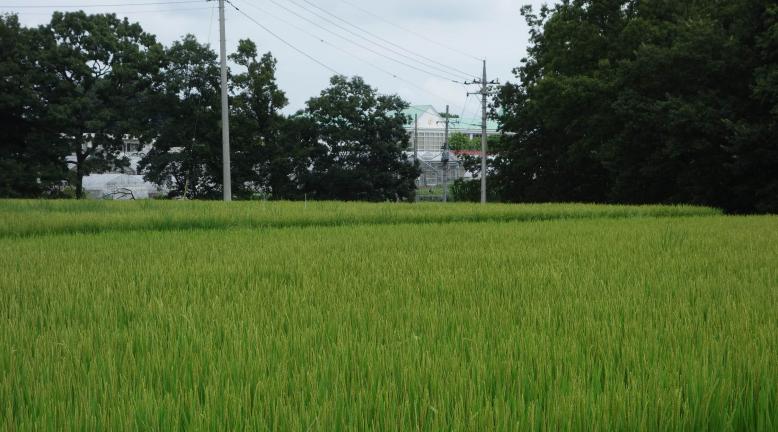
464 107
128 11
469 124
351 41
447 67
310 57
428 39
431 67
101 5
345 51
347 39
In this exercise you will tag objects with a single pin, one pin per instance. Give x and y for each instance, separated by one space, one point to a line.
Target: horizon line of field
192 224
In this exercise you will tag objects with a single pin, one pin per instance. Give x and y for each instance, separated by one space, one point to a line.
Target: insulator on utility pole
226 175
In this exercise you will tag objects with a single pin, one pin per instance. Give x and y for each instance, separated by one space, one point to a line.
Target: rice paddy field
332 316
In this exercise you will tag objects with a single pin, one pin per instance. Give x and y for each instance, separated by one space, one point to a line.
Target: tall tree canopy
187 153
186 156
362 138
31 162
644 101
102 69
76 89
261 163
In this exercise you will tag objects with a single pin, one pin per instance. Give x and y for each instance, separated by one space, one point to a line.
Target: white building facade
426 123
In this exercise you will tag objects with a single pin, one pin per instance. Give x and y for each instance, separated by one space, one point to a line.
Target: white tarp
118 186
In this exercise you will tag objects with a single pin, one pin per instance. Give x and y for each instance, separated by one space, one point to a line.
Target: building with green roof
430 126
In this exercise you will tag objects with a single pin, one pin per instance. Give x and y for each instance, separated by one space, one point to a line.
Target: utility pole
444 159
416 145
483 135
484 102
415 137
226 175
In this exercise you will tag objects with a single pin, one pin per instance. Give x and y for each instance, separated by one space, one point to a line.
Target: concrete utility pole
484 90
484 102
415 137
226 177
444 159
416 145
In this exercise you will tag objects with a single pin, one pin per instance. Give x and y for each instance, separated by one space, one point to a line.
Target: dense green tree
459 141
673 98
754 137
553 113
644 101
186 113
262 160
187 155
289 164
31 163
362 137
102 69
469 189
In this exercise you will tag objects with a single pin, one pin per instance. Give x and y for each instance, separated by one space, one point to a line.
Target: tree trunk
79 175
79 184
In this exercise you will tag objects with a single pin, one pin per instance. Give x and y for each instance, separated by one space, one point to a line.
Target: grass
278 316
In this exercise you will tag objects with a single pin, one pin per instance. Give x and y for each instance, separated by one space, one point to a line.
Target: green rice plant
571 323
31 217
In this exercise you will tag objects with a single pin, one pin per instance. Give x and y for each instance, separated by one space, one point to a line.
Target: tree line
75 89
644 101
616 101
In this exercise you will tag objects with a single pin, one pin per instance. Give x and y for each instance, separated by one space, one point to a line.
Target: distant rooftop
463 124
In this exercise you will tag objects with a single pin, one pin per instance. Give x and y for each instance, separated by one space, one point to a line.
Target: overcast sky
491 29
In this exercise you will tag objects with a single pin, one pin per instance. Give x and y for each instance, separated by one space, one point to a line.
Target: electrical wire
428 39
310 57
125 11
379 45
445 66
367 48
345 51
102 5
358 44
472 124
464 106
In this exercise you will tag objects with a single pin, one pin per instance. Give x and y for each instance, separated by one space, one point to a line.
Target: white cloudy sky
491 29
